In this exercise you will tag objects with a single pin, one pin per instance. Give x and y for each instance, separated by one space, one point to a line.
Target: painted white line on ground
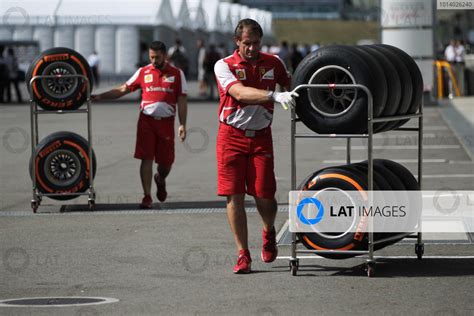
439 176
461 162
397 136
435 128
382 257
396 160
282 231
104 300
398 147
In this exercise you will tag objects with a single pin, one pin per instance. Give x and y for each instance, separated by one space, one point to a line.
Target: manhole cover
56 301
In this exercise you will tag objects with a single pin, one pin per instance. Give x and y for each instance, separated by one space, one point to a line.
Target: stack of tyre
396 85
61 159
387 176
391 75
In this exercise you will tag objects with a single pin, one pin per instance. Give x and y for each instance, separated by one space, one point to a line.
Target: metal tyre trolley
34 112
419 246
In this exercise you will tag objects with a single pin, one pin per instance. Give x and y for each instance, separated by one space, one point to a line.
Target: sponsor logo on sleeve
148 78
240 74
169 79
267 74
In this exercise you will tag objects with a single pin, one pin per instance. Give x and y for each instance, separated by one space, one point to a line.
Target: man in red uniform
247 80
163 87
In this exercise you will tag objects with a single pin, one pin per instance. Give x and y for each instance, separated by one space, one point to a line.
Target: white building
119 30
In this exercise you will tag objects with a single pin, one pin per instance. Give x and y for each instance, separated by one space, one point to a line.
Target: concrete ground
177 258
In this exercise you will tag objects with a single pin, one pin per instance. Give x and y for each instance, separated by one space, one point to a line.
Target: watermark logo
17 16
16 260
335 210
197 136
311 221
15 140
446 200
196 260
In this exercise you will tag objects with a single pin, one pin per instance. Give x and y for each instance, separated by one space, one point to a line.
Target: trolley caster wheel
419 250
294 267
370 269
34 206
91 205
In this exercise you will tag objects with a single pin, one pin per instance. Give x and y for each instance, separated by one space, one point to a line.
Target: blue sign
310 221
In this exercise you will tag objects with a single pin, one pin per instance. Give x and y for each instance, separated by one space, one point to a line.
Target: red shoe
269 249
243 262
147 202
161 193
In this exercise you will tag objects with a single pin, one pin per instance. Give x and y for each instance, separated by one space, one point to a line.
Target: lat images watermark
197 260
17 260
197 140
16 140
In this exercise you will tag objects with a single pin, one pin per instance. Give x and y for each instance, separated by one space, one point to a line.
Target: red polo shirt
160 89
268 71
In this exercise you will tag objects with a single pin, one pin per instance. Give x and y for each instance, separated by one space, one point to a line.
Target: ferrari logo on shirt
148 78
168 79
240 74
267 74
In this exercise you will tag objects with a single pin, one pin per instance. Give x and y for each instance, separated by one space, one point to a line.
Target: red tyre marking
83 71
38 178
35 90
85 155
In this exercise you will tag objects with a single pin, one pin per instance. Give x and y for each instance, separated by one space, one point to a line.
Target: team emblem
168 79
267 74
148 78
240 74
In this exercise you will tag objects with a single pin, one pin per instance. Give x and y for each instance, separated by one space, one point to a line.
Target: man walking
163 88
246 81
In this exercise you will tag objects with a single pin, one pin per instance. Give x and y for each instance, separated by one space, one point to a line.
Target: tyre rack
419 246
34 112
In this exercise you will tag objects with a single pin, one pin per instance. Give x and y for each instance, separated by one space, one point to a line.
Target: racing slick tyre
340 179
380 91
410 184
416 80
62 165
394 87
335 110
59 93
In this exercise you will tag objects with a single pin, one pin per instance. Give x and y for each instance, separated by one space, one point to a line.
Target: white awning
211 9
115 12
235 13
181 14
244 12
196 12
226 18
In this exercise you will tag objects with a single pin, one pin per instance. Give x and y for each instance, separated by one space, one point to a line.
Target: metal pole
420 160
348 150
33 145
293 174
89 135
371 170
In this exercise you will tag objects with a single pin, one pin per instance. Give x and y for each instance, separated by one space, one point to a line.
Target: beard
159 66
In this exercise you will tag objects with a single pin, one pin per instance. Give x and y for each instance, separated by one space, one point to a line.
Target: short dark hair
158 46
252 25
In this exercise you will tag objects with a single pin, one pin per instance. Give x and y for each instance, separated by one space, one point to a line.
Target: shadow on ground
391 268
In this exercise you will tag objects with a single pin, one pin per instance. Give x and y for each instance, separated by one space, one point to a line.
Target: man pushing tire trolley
246 81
